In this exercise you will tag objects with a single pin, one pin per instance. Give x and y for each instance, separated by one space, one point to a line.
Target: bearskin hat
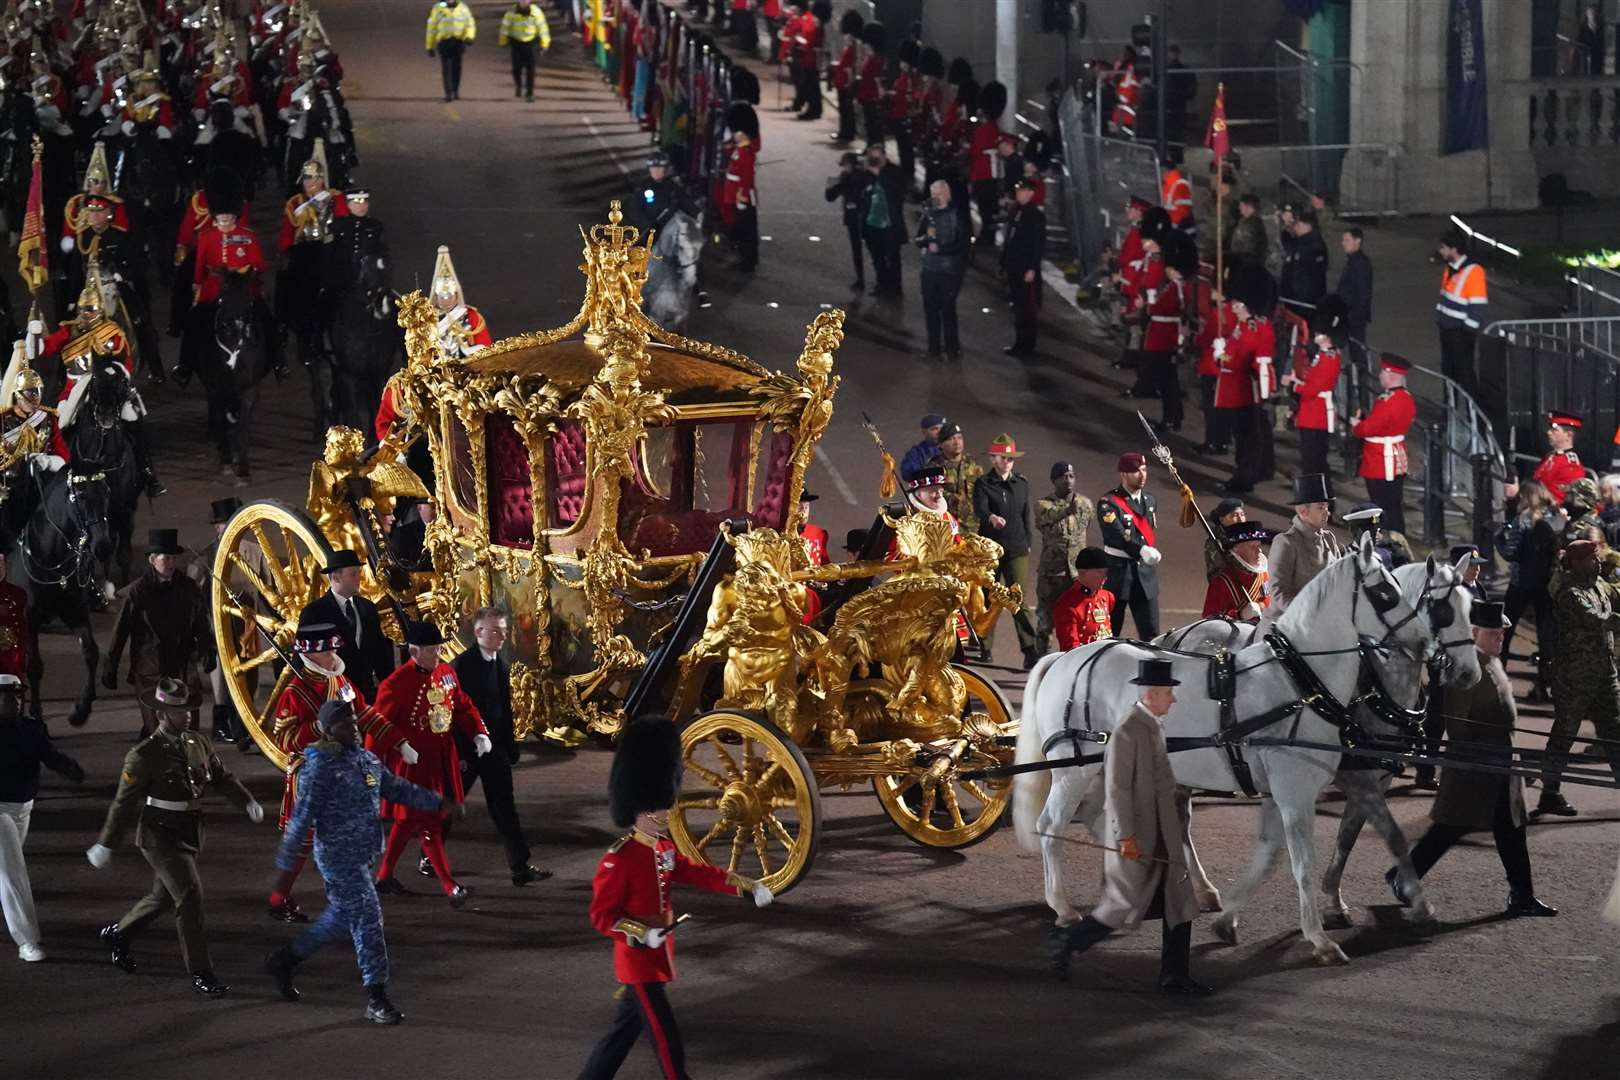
1331 318
822 9
1253 287
908 52
876 36
646 770
993 99
223 190
959 72
741 117
931 62
851 23
1156 224
1180 253
967 98
744 87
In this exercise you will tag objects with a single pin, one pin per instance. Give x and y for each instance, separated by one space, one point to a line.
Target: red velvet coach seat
511 487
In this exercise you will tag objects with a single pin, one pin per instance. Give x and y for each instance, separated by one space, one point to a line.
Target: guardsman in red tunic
815 537
319 679
1167 309
423 700
1217 322
1238 589
739 201
1127 89
842 74
807 37
1246 375
13 628
193 220
1316 382
1383 434
1085 611
1562 465
633 903
869 81
984 164
227 246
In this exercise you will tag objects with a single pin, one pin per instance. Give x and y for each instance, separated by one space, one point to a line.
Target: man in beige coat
1302 550
1144 872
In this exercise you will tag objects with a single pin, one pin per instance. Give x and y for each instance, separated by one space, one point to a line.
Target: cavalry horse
100 440
367 342
1290 688
67 538
232 361
672 272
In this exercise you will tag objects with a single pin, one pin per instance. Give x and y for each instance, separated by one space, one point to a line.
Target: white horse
672 272
1365 788
1304 695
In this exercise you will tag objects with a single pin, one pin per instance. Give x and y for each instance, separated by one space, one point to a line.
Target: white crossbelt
1389 443
170 804
1327 400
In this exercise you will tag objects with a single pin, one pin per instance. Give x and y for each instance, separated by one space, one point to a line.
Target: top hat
1488 615
855 540
646 770
806 496
342 559
1156 673
424 633
163 542
1311 488
220 510
170 695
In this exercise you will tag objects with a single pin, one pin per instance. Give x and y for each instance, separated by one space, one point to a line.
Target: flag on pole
31 264
1218 140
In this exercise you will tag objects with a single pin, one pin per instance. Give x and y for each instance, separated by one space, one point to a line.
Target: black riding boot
143 455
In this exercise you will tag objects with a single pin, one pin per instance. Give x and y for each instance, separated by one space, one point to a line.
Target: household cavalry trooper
97 181
1383 441
1128 518
306 228
461 329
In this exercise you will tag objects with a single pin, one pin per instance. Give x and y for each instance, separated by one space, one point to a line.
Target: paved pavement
890 960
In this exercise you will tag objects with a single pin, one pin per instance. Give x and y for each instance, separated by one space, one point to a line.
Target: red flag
31 258
1218 139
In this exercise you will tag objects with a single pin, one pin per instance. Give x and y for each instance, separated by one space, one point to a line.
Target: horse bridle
71 569
1433 603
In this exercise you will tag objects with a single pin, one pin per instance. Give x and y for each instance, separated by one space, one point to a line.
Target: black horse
367 342
100 440
146 177
327 120
232 361
66 540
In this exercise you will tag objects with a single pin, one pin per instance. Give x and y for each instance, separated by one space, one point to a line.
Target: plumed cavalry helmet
90 308
28 381
446 286
316 165
97 169
646 772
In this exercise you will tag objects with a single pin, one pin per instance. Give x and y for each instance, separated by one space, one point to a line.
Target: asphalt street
890 960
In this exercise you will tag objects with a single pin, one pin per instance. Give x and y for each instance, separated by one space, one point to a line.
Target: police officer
161 790
654 201
1128 518
1062 518
340 797
1584 681
524 30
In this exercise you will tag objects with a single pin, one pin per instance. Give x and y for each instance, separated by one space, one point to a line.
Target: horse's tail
1029 789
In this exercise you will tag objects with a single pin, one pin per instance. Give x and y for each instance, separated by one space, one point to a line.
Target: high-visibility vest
526 25
1462 297
1177 196
450 22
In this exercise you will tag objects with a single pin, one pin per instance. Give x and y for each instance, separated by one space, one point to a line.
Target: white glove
1150 555
255 812
762 894
99 856
1220 347
36 327
127 127
655 937
1251 610
481 744
408 753
164 133
66 245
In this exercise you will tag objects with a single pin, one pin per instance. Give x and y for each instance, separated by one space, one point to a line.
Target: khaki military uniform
960 476
1062 524
160 796
1585 684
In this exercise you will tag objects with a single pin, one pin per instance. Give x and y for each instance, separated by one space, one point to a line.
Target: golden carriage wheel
957 813
270 559
749 802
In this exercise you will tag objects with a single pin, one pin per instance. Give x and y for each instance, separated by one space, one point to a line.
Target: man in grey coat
1145 869
1479 726
942 235
1300 552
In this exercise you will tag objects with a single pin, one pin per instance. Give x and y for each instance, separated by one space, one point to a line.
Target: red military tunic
843 69
816 538
737 190
1219 320
1127 92
1082 615
1149 277
164 114
194 220
289 225
1245 373
13 631
807 40
982 150
423 706
294 727
868 87
633 889
1315 389
1131 254
1558 470
1231 589
1165 308
220 253
1383 434
900 98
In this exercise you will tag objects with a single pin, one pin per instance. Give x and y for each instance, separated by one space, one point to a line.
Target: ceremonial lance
1189 505
889 485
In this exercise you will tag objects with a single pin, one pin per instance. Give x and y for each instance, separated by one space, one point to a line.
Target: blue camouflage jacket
339 792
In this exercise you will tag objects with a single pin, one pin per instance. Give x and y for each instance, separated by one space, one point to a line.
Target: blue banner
1467 120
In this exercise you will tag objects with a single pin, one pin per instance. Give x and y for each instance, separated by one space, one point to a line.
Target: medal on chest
438 709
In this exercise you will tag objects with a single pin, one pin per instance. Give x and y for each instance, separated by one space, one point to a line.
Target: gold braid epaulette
283 722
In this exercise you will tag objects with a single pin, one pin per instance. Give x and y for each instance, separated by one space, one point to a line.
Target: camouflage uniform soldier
1584 681
1580 502
1062 518
961 472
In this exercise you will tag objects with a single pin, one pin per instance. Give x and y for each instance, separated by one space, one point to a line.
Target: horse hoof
1329 954
78 717
1209 903
1336 919
1225 930
1422 919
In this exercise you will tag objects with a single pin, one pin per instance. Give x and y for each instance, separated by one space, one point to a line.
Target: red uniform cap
1392 362
1565 420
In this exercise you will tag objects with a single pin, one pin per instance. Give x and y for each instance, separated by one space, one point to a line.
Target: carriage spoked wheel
944 811
268 566
749 802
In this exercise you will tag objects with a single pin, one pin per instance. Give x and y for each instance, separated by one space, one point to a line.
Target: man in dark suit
367 653
486 675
